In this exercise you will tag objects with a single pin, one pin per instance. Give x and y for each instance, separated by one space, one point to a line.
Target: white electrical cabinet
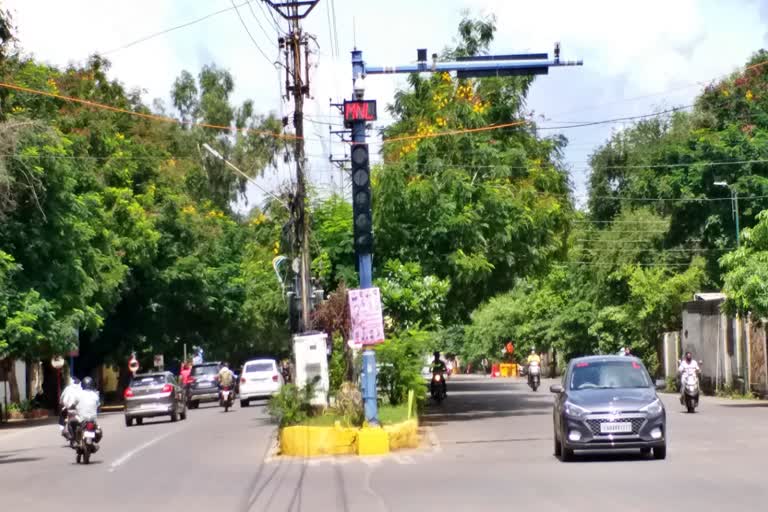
310 351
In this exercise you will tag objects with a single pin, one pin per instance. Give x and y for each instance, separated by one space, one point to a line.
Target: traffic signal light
361 200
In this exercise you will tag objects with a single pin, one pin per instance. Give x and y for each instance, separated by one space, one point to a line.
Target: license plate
623 427
89 435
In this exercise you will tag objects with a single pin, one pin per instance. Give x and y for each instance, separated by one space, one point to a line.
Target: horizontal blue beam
482 67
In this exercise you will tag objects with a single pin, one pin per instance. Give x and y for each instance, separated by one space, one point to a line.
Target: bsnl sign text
361 110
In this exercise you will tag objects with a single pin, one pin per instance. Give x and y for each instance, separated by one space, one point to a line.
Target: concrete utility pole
295 46
359 111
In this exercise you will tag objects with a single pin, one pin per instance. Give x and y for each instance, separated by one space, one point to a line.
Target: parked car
154 394
260 378
606 403
204 386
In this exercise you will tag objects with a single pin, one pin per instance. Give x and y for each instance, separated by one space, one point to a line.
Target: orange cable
153 117
455 132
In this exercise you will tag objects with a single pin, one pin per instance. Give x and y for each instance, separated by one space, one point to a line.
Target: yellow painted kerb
301 441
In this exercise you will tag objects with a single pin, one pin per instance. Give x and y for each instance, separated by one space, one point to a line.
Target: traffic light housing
361 200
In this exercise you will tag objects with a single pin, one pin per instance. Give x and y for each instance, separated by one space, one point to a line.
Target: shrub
291 405
402 358
349 404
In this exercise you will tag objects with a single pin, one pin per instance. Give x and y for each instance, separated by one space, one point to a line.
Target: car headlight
575 410
653 408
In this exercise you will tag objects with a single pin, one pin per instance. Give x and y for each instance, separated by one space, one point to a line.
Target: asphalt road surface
487 447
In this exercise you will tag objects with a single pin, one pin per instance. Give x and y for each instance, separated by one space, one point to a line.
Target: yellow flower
276 248
17 109
749 95
446 76
726 92
259 220
52 85
189 209
120 136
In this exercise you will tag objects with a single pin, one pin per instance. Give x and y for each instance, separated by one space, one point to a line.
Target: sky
639 57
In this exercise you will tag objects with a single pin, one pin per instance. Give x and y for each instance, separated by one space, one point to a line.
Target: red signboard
362 110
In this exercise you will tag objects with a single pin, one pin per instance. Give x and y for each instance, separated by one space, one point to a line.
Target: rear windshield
205 370
267 366
147 380
609 375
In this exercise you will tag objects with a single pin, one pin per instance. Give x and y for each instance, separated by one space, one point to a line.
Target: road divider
311 441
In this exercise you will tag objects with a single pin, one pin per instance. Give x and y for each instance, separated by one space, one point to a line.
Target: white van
261 378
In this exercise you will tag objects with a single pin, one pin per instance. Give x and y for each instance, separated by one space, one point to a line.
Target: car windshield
205 370
609 375
147 380
259 367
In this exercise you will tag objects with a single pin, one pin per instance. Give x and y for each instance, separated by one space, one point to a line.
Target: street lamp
734 205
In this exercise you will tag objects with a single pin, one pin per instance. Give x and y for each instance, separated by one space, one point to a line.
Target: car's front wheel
660 452
558 446
566 454
128 421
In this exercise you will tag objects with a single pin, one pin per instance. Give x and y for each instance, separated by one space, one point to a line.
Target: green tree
482 209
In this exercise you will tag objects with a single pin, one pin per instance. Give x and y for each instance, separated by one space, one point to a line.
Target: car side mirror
556 388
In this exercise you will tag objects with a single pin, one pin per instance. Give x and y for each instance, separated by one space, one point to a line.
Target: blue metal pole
365 265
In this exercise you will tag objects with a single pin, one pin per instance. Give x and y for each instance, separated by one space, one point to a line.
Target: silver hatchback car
608 403
154 394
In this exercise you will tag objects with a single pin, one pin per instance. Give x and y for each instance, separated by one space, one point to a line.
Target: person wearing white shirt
67 400
688 364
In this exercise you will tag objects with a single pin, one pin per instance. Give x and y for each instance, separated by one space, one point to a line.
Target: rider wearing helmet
534 357
87 405
438 367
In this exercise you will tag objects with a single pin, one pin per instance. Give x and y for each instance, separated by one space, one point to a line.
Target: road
491 448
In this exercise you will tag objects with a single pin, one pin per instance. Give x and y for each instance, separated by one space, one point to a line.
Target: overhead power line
253 39
270 37
152 117
171 29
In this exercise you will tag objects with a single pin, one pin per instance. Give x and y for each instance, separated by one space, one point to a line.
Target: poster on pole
367 321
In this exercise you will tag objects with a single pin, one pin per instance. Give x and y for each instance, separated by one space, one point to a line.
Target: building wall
717 340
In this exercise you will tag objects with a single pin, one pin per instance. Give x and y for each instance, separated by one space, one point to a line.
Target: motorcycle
437 387
86 440
226 397
534 375
690 395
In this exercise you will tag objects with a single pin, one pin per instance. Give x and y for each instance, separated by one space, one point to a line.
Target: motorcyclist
87 404
438 367
226 377
686 365
533 357
66 401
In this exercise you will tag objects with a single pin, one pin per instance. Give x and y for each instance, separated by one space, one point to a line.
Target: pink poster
367 320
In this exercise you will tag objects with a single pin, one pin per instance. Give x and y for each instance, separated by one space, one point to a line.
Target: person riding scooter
534 360
438 367
66 402
689 364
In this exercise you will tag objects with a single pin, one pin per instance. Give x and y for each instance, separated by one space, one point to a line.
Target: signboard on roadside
367 320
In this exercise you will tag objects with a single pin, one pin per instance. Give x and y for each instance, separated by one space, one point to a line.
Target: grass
388 414
735 395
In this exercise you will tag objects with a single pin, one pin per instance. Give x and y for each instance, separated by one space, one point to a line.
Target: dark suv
204 387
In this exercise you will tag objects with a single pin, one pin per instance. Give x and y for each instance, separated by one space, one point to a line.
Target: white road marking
127 456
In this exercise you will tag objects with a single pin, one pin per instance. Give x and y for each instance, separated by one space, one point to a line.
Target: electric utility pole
295 46
359 111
